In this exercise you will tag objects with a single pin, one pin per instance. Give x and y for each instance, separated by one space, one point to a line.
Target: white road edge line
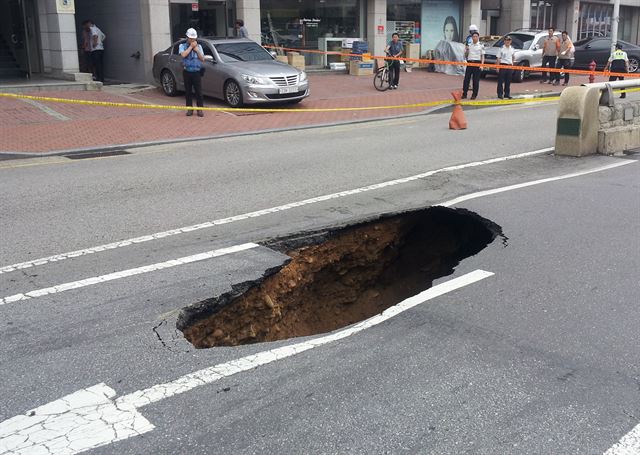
280 208
532 183
88 418
126 273
629 444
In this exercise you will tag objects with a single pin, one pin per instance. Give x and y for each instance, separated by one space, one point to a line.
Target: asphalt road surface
529 347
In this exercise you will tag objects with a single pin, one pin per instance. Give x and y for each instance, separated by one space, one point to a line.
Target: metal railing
607 97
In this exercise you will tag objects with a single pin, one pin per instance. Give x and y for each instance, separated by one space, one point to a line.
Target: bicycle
381 80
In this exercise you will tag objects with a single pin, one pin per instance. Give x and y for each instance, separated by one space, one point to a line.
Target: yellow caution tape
228 109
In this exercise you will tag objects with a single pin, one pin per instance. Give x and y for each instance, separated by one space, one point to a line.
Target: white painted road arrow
88 418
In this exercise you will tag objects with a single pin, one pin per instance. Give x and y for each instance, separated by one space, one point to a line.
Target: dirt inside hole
340 276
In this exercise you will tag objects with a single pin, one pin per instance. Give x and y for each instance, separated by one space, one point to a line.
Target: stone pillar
377 17
471 14
58 40
156 34
249 12
520 15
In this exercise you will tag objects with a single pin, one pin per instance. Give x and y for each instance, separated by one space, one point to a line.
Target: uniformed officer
619 63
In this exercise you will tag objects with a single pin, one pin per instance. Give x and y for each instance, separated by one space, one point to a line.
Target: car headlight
253 79
303 76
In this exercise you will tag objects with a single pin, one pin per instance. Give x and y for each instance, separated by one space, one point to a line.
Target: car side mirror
536 47
588 46
273 54
209 58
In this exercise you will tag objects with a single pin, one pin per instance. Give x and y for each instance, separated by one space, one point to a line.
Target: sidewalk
34 127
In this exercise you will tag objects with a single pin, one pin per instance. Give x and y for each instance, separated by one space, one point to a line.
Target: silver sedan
238 71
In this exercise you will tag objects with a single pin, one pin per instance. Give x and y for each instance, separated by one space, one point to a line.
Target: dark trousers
504 82
193 82
549 61
394 72
97 60
85 62
563 63
469 73
614 78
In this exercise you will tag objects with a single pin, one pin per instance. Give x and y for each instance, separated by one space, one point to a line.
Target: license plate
288 90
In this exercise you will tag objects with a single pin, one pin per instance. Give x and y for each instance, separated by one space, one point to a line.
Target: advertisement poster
441 33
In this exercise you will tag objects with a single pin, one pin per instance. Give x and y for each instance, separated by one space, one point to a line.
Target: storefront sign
65 6
195 7
310 23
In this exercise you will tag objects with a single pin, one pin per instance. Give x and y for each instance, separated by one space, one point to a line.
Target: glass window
242 52
300 23
404 10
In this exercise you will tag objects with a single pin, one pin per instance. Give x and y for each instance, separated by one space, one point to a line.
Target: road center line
126 273
280 208
207 375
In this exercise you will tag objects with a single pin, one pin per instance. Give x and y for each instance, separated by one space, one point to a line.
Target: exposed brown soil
340 277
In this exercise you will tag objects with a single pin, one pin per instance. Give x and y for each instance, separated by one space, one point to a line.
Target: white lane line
205 376
280 208
629 444
532 183
89 418
126 273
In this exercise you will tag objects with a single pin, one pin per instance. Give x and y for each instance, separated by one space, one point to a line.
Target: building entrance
19 48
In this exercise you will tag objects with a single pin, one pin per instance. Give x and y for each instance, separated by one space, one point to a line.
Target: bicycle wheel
381 79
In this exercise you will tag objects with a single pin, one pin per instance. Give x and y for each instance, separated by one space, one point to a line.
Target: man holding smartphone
192 60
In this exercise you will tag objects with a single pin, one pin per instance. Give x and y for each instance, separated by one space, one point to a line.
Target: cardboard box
282 58
345 58
296 61
357 68
412 50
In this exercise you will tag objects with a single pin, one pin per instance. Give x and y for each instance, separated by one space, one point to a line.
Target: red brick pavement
25 128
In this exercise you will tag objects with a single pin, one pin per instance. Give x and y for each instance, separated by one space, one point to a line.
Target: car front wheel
169 86
634 64
520 75
233 94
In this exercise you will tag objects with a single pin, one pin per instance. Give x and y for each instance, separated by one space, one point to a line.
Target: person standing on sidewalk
192 60
97 49
473 53
505 57
619 63
394 50
565 58
550 49
242 30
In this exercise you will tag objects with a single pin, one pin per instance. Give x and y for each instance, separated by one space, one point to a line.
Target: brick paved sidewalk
45 127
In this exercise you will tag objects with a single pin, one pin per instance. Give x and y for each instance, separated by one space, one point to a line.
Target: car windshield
519 41
242 52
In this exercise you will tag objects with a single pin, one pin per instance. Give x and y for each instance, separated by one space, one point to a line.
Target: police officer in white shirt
505 57
473 53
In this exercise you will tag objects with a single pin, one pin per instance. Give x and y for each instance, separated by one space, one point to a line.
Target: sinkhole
339 276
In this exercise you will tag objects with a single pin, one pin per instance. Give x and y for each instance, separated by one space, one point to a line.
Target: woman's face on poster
449 31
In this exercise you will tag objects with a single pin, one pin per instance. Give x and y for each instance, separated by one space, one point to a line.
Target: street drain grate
340 276
84 156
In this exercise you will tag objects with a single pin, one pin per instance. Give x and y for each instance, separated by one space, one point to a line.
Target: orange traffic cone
457 120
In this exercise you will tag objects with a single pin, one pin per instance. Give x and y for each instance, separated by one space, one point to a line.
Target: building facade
43 36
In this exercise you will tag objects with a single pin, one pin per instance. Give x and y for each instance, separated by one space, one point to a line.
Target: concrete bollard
577 126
